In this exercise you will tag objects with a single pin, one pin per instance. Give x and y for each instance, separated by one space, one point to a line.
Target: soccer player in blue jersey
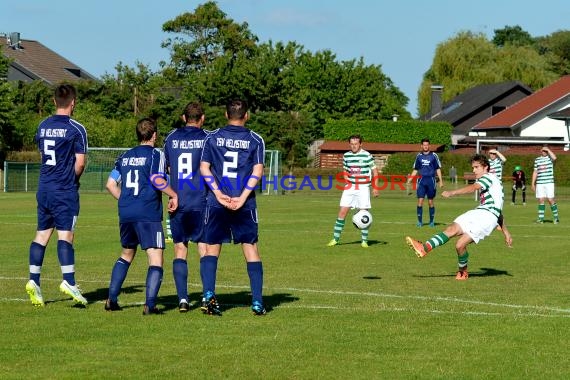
183 150
137 182
62 142
474 225
427 165
232 165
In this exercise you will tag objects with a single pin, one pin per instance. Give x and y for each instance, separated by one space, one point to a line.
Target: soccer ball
362 219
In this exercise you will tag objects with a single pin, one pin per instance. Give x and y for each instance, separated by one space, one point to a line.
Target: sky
398 35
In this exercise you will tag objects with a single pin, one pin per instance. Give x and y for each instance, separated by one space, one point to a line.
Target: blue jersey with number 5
232 152
140 201
59 138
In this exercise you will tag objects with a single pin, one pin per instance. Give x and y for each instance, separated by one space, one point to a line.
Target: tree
469 59
556 49
512 35
211 35
6 109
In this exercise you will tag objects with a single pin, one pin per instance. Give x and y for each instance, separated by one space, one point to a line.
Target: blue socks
255 272
118 276
208 269
153 281
37 252
180 273
66 256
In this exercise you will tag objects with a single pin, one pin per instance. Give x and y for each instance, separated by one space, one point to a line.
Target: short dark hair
193 111
236 109
482 159
63 95
355 137
425 139
145 129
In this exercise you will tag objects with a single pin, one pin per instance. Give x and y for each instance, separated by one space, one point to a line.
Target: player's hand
236 203
172 204
533 188
375 193
509 240
446 194
223 199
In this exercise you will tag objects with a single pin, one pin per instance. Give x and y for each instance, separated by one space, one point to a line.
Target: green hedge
391 132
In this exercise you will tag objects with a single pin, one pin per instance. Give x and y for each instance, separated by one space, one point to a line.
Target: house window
496 109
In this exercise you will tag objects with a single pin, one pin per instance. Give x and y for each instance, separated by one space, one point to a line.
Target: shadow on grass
370 242
484 272
240 299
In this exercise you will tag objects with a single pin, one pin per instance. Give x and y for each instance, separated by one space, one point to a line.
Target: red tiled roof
527 106
374 147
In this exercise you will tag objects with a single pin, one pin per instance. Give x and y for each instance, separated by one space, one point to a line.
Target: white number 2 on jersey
133 183
230 165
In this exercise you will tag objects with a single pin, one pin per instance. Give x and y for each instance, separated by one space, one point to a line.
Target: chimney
436 103
14 40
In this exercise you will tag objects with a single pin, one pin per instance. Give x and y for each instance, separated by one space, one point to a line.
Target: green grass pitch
336 313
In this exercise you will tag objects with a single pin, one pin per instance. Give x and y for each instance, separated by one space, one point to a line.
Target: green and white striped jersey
496 167
359 166
491 195
544 167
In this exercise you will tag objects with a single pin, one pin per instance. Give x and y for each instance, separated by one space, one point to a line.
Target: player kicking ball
474 225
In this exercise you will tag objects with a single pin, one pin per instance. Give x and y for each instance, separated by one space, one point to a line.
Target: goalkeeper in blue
137 182
474 225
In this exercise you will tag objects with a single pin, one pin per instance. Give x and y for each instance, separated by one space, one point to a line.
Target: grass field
336 313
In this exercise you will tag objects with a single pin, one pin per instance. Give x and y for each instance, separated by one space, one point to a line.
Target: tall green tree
556 49
469 59
512 35
203 36
6 109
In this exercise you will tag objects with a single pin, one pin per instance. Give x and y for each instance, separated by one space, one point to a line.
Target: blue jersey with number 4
140 201
232 152
59 138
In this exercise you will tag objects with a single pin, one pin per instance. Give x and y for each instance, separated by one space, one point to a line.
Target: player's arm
438 172
499 154
374 182
412 176
533 182
160 182
503 228
250 186
80 162
550 153
464 190
114 184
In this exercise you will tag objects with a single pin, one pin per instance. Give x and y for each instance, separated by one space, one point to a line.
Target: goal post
24 176
272 170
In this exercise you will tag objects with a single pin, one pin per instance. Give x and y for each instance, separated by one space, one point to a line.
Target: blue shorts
222 226
426 187
187 226
147 234
57 209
